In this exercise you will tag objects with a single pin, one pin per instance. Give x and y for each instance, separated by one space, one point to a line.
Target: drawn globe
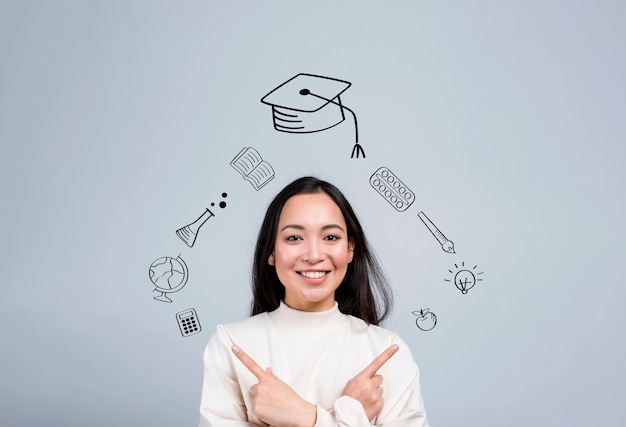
168 275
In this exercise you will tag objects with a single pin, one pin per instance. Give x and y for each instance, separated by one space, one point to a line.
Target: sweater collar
288 317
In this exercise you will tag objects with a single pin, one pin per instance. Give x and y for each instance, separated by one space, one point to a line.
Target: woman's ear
351 249
270 260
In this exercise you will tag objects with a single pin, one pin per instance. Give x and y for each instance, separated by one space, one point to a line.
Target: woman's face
312 251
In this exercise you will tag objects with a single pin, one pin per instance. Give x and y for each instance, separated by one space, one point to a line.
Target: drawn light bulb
464 279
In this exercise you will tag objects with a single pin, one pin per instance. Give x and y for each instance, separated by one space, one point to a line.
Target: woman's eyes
331 237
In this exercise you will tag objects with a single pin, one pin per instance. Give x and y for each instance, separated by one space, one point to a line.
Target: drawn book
252 167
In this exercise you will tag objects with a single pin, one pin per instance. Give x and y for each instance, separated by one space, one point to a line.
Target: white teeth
313 274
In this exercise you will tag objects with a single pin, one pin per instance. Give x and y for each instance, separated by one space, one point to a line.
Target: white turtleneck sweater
316 354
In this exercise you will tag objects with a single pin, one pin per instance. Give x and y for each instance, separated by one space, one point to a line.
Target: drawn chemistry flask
189 233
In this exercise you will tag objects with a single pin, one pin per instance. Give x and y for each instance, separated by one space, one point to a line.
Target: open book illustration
252 167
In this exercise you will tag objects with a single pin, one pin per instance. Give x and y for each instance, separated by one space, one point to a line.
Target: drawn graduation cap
308 103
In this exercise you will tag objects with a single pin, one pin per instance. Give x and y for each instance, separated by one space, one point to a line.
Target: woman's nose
314 252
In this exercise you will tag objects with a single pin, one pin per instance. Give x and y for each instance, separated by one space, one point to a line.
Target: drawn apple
425 319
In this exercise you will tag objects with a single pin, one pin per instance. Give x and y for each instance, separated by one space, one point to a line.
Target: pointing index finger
249 363
380 360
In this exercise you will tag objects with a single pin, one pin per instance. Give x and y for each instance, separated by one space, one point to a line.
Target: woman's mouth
313 274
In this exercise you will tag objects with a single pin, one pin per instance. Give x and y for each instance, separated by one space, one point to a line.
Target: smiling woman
312 251
319 296
364 292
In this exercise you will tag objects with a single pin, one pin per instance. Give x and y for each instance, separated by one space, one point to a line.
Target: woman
312 353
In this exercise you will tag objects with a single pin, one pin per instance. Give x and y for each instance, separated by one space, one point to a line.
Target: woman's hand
366 385
273 401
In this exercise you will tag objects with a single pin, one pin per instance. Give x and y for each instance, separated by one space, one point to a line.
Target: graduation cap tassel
357 149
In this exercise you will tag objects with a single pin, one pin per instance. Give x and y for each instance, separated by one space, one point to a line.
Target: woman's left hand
273 401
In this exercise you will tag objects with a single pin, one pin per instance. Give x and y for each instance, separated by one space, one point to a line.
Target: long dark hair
364 291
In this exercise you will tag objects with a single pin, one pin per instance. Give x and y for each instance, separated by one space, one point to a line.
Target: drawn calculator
188 322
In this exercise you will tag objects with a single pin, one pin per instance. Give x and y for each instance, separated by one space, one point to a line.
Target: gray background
118 121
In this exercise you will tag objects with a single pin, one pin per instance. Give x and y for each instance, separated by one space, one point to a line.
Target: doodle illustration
464 279
168 275
446 244
189 233
426 320
253 168
309 103
392 189
188 322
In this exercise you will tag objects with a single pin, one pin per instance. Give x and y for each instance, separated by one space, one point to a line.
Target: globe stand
162 297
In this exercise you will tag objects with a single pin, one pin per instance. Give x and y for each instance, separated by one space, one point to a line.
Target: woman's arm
273 401
404 405
401 404
222 403
366 385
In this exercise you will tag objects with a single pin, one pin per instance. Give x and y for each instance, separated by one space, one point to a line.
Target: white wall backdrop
118 123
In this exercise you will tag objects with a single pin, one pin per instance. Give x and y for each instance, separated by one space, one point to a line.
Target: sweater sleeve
222 403
404 405
346 412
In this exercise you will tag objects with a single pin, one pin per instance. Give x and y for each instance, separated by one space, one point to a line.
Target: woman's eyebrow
296 226
301 227
331 226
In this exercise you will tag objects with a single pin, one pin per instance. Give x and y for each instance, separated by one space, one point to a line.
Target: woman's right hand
273 401
366 385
